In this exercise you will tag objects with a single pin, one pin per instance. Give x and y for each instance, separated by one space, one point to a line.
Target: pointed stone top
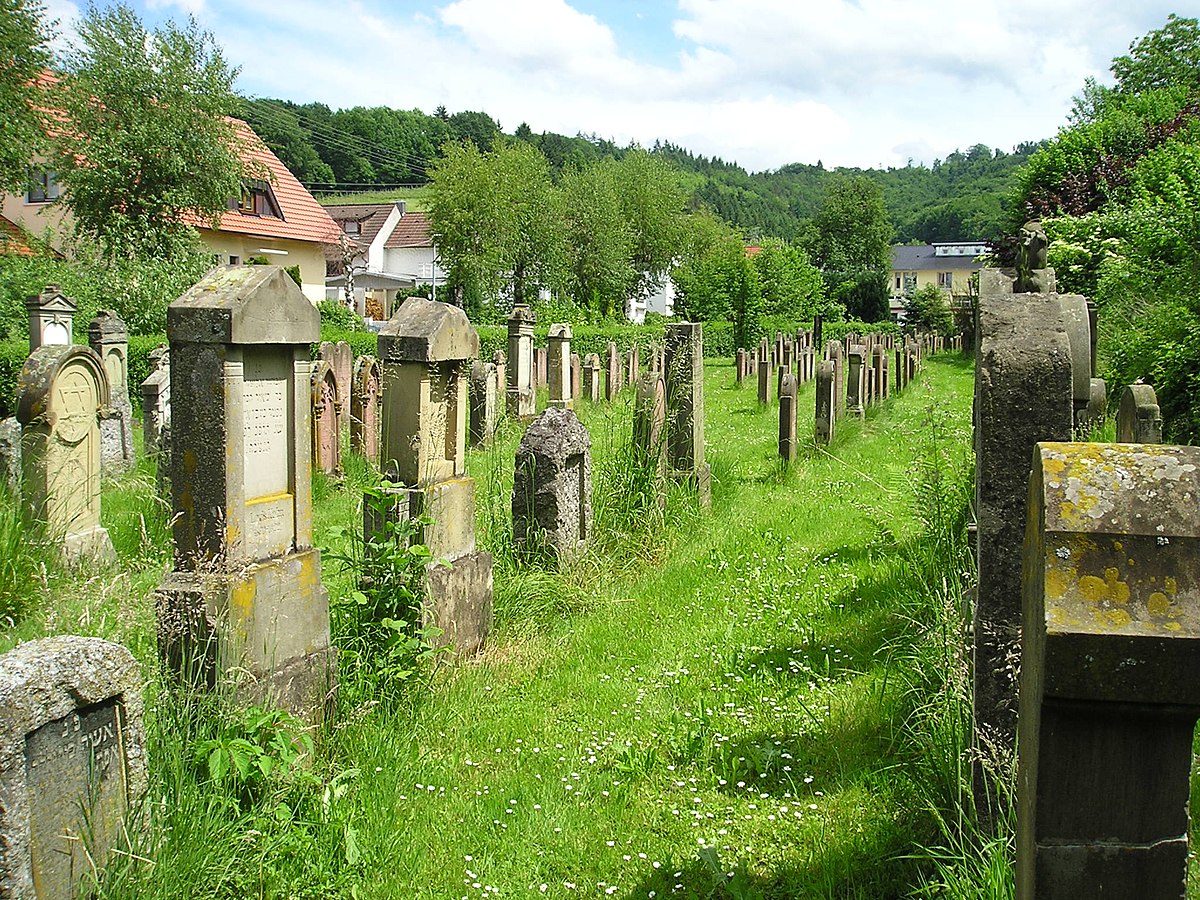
244 305
522 313
52 299
427 331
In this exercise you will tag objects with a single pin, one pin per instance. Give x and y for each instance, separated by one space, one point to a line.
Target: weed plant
27 559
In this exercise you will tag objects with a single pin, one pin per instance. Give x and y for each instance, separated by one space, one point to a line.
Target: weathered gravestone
10 453
1076 321
899 370
649 431
834 353
879 370
72 762
685 406
764 375
500 361
559 354
576 376
826 403
1022 396
156 400
109 339
326 406
612 371
340 357
1092 415
51 318
245 599
1139 420
856 380
365 398
781 372
787 419
424 349
632 365
541 363
520 397
1110 647
483 402
591 377
552 487
61 392
740 367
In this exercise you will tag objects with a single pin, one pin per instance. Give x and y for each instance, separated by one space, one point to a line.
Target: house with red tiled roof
395 252
16 241
275 219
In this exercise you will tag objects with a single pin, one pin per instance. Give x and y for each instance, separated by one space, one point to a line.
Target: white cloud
194 7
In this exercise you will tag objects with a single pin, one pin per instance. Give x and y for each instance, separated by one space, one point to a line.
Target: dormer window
352 226
257 199
43 186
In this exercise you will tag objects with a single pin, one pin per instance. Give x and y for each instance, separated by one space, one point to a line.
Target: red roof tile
14 240
411 231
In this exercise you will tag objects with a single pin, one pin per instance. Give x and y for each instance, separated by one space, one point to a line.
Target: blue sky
761 82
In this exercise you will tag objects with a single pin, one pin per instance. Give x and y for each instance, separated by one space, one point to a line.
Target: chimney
402 205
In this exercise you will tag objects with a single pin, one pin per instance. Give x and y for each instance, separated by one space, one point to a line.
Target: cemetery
779 622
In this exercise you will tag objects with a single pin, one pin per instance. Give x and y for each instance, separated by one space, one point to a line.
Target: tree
927 309
1166 57
145 145
599 238
715 279
24 55
851 230
652 202
792 287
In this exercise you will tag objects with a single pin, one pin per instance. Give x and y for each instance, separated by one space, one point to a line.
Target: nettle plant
380 635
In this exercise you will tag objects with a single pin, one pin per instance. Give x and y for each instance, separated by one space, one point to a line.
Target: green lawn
764 700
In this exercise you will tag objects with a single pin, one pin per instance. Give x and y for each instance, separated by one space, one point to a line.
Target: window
897 282
426 271
257 199
235 260
352 227
43 187
946 280
910 281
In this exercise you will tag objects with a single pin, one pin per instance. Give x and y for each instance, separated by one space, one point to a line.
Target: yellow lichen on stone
1158 605
1093 589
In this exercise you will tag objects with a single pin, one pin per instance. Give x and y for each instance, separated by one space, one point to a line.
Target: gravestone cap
427 331
52 299
522 313
555 435
560 330
107 328
244 305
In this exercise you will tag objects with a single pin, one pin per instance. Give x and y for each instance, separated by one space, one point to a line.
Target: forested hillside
962 197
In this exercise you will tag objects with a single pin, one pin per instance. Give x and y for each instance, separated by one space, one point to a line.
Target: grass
759 701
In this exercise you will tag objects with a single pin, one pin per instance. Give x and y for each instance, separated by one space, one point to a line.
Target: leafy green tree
715 280
534 237
792 287
477 127
24 55
600 240
851 230
279 127
862 293
927 309
146 142
1166 57
652 201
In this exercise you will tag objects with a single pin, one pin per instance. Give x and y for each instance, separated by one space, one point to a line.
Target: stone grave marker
552 487
764 376
632 364
51 318
576 376
559 355
856 380
826 404
1022 396
1110 644
61 393
649 430
72 761
365 399
520 397
340 357
1139 420
591 377
109 339
326 419
541 362
685 406
787 419
156 400
483 402
834 353
500 361
245 600
424 349
612 372
740 366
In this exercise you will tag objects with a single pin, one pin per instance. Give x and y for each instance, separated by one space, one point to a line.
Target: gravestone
826 405
649 431
559 354
51 318
1110 646
780 374
1075 318
365 399
521 395
245 600
1022 396
787 419
576 376
1097 405
764 376
591 377
326 405
72 762
632 364
834 353
109 339
740 366
500 361
1139 420
541 362
879 373
156 401
340 357
61 392
552 487
899 370
612 371
10 453
424 349
483 403
856 380
685 406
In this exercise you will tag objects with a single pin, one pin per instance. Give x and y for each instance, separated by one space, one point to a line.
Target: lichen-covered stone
552 486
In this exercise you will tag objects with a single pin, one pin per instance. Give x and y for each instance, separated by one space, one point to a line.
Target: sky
764 83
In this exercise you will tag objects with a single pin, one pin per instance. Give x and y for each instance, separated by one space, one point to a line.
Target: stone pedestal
109 339
520 397
559 365
685 406
245 600
787 419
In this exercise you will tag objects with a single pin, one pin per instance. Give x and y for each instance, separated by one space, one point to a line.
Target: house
949 265
393 252
275 218
16 241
